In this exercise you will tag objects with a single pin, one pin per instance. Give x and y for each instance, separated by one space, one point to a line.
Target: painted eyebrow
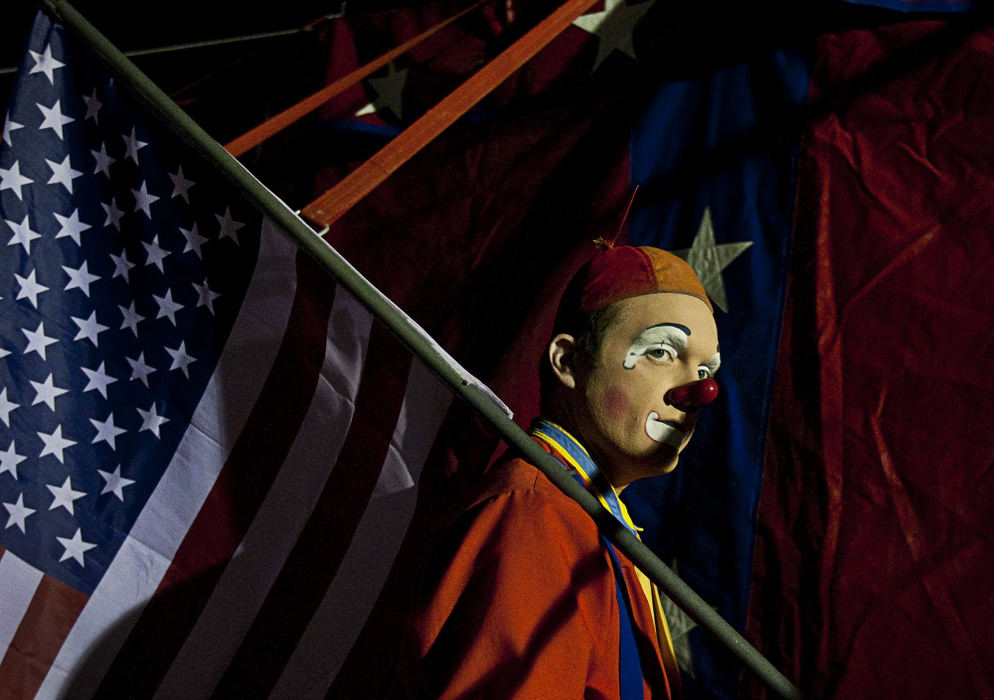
678 326
714 363
670 333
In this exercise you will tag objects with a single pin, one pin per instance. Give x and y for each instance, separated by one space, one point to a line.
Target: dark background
219 85
230 88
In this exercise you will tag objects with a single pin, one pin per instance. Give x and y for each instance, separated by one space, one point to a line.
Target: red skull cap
623 272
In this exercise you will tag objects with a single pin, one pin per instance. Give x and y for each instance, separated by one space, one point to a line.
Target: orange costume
526 601
526 598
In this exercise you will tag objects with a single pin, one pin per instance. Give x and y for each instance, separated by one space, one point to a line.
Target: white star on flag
106 431
53 118
144 200
89 328
30 288
80 278
46 392
75 547
55 444
113 213
167 307
122 266
18 512
155 253
97 379
181 360
22 234
9 125
151 420
93 105
37 340
62 173
104 161
45 63
140 369
229 227
64 496
181 186
71 226
194 241
9 459
6 406
115 482
131 318
132 145
205 296
11 179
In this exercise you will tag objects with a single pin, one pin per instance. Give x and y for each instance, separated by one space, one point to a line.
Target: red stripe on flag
318 553
247 475
44 627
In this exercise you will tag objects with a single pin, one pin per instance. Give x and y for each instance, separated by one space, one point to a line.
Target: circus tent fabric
831 191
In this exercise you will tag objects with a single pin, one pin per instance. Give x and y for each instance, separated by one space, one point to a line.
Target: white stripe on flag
246 581
142 561
350 597
18 581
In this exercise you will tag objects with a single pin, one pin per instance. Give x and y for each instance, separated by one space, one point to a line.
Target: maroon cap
628 271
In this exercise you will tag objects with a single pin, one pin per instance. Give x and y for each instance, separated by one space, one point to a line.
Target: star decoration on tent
614 27
680 625
389 93
709 258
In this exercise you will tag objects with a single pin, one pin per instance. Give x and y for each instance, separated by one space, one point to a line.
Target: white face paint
710 368
663 432
664 339
622 417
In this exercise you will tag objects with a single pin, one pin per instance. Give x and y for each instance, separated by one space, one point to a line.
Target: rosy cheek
616 402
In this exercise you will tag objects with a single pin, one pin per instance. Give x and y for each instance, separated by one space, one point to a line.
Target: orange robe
523 601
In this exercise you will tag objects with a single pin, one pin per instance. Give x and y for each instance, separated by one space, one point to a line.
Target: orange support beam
249 140
364 179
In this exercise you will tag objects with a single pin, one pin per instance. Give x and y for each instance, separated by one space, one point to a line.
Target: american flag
208 450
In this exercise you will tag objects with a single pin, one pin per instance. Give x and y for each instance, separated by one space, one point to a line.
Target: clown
651 336
525 598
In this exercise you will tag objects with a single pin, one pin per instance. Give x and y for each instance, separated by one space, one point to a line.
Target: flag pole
415 338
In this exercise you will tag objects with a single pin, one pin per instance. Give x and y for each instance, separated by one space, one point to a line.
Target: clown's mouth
664 432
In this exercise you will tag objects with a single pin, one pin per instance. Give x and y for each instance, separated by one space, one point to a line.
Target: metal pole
420 344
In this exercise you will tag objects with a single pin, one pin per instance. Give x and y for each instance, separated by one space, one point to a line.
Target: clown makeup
663 432
665 339
710 368
648 350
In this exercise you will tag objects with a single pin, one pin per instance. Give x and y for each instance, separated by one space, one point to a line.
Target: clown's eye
703 372
661 352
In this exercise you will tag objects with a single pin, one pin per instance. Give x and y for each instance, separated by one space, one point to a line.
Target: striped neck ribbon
575 457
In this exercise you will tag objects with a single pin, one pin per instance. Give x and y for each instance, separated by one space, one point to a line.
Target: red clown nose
688 397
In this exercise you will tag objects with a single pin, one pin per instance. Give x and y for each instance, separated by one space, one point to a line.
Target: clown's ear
562 358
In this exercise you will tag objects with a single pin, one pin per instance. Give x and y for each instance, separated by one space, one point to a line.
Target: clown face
657 342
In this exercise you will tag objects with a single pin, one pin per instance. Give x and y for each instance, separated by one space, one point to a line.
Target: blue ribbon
568 444
629 662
